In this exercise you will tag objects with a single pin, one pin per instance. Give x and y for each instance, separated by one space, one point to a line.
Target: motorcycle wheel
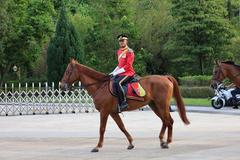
217 104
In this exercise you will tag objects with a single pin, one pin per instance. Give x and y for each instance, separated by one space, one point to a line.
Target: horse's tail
178 98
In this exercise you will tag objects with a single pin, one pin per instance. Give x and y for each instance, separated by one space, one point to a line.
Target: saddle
133 89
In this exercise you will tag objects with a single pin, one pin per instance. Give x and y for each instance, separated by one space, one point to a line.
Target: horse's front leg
103 122
120 124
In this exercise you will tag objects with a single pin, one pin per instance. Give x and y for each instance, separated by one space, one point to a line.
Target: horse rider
124 71
234 94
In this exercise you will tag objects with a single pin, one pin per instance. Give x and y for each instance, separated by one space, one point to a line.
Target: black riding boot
122 104
118 82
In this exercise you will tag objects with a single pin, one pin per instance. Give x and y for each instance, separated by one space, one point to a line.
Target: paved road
72 136
202 109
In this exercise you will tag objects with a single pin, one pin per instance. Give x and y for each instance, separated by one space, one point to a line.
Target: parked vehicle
223 97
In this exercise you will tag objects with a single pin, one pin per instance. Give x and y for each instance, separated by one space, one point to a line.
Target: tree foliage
25 25
65 44
201 32
178 37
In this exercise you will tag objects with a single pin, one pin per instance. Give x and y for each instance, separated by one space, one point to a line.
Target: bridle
215 78
72 70
236 75
221 72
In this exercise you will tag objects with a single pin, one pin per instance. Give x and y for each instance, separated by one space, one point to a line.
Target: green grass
195 101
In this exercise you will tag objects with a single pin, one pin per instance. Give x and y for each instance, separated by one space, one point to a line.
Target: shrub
201 80
196 92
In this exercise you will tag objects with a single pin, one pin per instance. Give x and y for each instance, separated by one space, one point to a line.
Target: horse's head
219 73
70 76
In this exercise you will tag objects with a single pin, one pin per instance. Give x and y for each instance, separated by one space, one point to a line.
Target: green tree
5 34
111 18
25 27
141 59
83 20
233 8
153 22
234 49
65 44
201 32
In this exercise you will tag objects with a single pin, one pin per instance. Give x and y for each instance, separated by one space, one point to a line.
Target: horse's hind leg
120 124
162 111
170 130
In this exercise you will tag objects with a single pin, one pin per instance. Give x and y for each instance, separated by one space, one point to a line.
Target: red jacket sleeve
130 60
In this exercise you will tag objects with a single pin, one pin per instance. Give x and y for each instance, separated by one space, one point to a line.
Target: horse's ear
217 62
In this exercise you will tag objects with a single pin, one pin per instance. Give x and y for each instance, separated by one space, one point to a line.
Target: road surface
72 136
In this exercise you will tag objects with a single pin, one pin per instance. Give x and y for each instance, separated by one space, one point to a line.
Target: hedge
201 80
196 92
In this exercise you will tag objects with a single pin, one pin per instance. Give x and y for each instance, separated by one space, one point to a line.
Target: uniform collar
123 49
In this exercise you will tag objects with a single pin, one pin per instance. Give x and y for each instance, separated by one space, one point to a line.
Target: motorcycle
223 97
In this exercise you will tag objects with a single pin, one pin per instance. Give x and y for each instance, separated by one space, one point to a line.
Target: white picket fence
43 99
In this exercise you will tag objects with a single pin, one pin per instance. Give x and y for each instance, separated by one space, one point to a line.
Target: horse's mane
231 63
92 73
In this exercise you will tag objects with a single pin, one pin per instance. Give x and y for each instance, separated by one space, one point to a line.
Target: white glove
117 68
121 70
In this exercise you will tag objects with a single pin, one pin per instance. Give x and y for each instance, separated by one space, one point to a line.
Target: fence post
53 86
32 86
46 86
59 84
26 86
5 87
47 99
79 84
39 86
12 87
19 87
60 97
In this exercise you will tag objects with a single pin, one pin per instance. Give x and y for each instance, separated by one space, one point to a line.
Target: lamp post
17 71
15 68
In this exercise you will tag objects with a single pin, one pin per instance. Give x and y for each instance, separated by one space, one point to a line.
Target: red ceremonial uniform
125 60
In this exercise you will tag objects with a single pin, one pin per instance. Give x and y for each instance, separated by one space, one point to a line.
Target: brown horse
159 91
224 70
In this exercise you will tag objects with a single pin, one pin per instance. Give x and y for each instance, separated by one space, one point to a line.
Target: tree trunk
1 79
201 64
3 73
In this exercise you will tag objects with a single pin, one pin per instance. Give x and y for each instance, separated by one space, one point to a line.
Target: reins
236 75
106 78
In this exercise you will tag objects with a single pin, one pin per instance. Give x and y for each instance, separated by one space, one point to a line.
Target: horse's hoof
164 145
95 150
130 147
